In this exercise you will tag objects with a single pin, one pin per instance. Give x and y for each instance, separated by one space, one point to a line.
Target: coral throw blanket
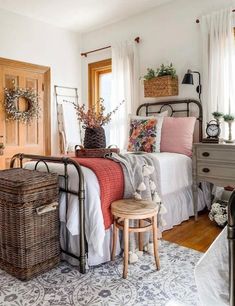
111 181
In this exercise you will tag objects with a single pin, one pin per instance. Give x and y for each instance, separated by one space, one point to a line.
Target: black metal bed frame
80 194
163 105
172 107
81 190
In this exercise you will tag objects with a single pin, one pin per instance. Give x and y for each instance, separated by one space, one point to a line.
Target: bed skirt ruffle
179 206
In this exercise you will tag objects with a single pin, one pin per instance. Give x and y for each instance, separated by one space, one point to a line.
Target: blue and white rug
173 285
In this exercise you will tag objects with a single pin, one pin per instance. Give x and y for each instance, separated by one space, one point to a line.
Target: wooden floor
195 235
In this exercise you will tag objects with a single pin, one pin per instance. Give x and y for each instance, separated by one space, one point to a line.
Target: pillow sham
177 135
145 133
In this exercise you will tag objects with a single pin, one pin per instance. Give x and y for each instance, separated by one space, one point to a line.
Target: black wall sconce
188 79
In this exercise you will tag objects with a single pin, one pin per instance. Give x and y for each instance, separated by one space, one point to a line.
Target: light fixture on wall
188 79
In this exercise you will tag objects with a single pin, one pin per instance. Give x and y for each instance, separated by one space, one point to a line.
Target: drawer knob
206 170
206 154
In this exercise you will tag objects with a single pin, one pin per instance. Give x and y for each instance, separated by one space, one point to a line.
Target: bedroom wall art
32 109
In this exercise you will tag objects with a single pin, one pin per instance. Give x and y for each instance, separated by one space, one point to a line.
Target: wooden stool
131 209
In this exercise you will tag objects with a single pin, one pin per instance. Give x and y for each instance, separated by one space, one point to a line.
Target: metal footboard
80 193
231 245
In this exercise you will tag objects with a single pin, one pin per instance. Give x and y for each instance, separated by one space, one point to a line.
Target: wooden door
18 137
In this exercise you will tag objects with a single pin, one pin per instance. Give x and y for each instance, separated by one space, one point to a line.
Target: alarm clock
213 131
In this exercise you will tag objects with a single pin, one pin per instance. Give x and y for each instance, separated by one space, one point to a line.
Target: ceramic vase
230 138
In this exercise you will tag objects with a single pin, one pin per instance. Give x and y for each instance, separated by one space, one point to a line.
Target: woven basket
161 87
82 152
29 222
94 138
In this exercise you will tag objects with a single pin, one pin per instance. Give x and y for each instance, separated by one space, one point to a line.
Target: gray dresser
214 163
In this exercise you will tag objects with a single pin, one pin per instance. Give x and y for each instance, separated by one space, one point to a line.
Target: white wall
168 34
25 39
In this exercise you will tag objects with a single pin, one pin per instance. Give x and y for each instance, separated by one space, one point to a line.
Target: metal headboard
174 107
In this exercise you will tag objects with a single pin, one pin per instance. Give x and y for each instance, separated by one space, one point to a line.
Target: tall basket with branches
93 121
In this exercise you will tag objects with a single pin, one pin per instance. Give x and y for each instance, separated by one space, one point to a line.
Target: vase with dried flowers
93 121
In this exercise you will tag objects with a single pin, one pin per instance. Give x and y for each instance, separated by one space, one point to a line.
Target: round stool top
134 209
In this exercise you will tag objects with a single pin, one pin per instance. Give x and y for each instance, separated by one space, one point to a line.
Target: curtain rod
137 39
198 21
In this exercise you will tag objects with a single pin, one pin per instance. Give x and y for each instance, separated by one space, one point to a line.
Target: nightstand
214 163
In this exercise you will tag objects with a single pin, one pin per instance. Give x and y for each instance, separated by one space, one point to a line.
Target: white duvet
174 171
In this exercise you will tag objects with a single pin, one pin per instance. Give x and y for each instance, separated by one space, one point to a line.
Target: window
100 75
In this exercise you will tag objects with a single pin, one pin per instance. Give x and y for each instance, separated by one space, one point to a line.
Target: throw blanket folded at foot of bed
141 182
111 181
125 176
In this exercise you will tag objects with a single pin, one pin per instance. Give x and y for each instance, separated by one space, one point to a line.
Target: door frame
46 71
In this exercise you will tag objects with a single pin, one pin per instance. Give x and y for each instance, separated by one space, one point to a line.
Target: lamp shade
188 79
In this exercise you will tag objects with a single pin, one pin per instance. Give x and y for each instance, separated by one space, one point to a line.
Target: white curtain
125 86
218 63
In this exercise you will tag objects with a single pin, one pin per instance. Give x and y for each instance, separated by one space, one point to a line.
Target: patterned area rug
173 285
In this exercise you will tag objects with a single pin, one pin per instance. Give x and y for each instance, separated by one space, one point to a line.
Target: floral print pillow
143 133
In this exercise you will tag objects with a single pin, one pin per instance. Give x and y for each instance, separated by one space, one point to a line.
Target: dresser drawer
216 170
207 153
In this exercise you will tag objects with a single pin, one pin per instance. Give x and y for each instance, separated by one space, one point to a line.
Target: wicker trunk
161 87
29 222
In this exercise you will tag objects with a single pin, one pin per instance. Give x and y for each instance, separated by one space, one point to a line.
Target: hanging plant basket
162 86
11 100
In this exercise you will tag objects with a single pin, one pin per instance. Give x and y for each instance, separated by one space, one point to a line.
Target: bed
80 212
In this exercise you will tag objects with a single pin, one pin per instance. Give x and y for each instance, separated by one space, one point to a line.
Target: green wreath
13 113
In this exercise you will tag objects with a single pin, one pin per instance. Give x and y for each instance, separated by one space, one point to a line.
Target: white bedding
174 185
174 171
94 225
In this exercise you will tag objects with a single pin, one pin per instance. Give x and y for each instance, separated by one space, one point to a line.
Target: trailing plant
166 70
150 74
228 117
162 71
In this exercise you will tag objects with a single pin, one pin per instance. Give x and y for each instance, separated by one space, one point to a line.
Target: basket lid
20 178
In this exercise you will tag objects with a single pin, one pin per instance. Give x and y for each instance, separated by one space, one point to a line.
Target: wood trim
94 71
47 113
23 65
